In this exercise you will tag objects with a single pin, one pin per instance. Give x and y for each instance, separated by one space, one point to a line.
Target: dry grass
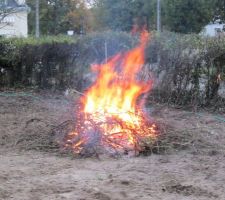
168 141
46 138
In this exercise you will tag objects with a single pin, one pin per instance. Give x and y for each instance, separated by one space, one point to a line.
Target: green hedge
56 62
186 68
190 68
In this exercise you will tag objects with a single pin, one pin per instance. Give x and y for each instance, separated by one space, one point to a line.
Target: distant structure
13 18
214 30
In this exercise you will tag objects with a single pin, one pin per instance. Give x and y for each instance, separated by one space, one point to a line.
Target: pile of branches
167 141
86 138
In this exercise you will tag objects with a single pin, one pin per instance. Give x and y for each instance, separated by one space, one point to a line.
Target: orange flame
110 106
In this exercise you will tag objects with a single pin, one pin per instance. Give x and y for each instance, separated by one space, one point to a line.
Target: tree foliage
188 16
219 12
122 15
59 16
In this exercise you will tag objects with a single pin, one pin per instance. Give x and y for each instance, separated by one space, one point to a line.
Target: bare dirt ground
32 170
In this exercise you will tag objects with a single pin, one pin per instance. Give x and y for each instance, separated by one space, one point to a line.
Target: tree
59 16
219 13
117 14
122 15
184 16
187 16
77 17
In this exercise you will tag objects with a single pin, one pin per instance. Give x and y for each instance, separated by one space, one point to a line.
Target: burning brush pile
111 117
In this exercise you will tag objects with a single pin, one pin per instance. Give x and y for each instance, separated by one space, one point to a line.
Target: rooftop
13 4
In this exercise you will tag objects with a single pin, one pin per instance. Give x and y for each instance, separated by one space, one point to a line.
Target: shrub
189 69
56 62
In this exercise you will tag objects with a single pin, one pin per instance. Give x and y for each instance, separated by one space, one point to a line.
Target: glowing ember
111 115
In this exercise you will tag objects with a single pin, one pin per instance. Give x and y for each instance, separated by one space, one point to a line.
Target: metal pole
159 15
37 25
106 52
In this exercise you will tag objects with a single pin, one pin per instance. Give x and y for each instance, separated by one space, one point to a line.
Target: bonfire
111 115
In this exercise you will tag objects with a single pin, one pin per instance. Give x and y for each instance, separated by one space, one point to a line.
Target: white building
13 18
214 29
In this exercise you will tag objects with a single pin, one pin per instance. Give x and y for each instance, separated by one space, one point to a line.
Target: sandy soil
193 173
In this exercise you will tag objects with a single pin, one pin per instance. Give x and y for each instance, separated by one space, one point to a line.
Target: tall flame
111 111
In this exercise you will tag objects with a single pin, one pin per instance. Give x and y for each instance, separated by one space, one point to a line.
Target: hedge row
56 62
188 69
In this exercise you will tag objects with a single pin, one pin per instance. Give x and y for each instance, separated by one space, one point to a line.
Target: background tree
219 12
187 16
121 15
59 16
177 15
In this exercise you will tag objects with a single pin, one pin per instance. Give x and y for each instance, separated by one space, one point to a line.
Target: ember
111 115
